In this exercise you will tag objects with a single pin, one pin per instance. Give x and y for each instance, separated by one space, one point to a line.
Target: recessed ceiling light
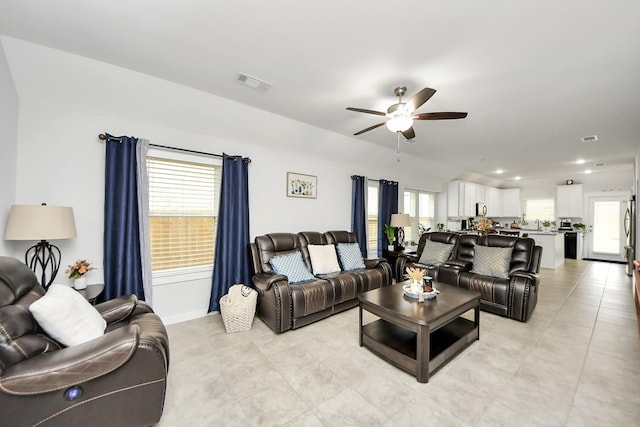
588 171
499 171
517 178
580 161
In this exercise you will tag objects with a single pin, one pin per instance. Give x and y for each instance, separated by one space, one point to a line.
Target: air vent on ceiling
253 82
590 138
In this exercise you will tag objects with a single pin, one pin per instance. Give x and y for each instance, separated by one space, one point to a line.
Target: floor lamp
399 221
43 223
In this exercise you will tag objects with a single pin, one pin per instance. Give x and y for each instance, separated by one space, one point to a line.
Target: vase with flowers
77 272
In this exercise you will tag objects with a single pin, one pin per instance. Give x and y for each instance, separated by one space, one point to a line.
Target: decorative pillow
350 256
435 252
291 265
490 261
67 316
323 259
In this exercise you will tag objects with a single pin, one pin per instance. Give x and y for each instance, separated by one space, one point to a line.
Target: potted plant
77 272
579 226
390 231
440 227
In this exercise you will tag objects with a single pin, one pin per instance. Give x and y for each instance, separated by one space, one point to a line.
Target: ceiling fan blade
364 110
439 116
420 98
409 134
369 128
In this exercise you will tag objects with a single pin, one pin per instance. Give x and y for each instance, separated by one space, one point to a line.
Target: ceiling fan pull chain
398 150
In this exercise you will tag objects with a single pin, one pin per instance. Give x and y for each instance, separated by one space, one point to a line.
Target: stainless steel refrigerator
630 233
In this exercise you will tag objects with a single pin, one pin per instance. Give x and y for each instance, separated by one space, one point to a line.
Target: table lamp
33 222
399 221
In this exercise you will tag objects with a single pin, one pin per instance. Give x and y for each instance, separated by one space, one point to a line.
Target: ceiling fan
400 116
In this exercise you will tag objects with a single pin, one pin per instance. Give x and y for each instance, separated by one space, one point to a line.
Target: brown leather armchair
412 261
514 296
118 379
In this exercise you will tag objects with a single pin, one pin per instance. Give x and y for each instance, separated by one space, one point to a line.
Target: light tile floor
575 363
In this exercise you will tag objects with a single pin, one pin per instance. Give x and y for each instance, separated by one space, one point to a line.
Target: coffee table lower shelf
398 345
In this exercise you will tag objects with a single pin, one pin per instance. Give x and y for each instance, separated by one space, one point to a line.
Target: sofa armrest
533 277
458 264
117 309
70 366
373 262
263 281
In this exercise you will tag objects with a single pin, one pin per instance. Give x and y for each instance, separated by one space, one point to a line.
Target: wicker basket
238 308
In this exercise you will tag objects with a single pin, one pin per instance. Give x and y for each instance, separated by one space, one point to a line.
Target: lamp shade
400 220
40 222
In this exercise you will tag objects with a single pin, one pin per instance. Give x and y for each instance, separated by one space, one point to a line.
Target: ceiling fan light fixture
399 123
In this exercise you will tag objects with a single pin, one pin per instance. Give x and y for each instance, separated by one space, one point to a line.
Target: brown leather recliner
283 306
119 379
515 296
413 261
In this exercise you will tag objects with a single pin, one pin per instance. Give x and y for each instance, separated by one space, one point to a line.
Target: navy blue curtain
122 259
231 264
359 211
387 205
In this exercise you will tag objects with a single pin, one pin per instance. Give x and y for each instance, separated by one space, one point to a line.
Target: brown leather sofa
514 296
120 377
283 306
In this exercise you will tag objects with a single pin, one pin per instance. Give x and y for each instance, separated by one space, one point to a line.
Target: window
542 209
420 205
372 217
183 209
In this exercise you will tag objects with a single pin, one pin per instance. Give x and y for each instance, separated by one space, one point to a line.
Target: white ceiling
534 76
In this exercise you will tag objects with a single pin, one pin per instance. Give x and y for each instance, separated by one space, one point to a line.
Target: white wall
8 146
64 106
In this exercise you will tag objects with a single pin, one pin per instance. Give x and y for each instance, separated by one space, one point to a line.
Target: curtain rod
374 180
104 137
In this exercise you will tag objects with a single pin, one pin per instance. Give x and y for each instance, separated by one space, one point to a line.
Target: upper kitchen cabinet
493 200
461 199
510 202
569 201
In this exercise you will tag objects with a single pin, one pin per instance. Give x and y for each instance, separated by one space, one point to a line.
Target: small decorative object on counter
77 272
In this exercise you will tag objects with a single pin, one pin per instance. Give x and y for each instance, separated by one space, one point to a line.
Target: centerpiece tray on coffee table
406 290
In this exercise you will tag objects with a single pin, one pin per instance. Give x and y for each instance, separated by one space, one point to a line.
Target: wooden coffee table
416 337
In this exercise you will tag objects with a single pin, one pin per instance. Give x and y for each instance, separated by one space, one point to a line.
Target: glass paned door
606 228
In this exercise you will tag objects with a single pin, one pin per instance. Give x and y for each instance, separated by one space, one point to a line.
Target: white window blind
183 209
420 205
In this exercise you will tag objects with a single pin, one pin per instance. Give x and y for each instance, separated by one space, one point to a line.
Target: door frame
588 246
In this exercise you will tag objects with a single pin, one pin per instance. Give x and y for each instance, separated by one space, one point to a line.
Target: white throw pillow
324 259
67 316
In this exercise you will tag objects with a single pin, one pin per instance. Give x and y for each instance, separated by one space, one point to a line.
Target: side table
92 292
392 256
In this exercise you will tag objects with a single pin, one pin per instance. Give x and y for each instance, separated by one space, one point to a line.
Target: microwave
481 209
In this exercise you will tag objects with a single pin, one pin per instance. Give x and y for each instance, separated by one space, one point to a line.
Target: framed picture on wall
300 185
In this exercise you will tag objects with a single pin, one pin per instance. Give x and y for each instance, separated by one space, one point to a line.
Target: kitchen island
552 247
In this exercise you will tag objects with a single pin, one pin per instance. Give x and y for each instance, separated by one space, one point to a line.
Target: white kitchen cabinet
481 191
510 202
461 199
493 200
569 201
